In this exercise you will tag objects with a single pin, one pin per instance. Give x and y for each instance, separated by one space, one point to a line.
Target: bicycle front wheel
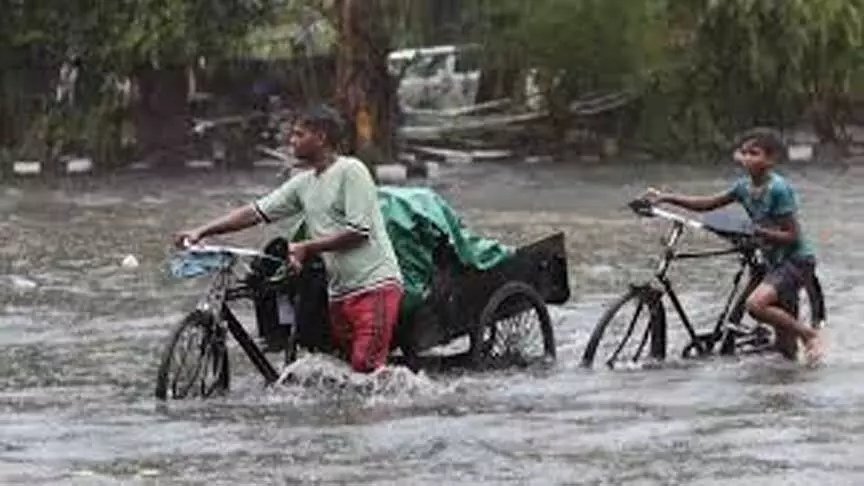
632 327
195 362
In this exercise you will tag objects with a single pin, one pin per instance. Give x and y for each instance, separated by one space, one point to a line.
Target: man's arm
236 220
340 241
281 203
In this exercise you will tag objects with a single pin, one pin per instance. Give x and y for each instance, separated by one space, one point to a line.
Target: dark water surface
80 338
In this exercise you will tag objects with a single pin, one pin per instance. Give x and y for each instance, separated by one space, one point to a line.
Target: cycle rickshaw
457 285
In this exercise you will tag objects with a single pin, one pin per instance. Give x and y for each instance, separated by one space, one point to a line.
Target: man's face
306 143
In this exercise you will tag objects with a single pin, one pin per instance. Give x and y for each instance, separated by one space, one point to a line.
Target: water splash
328 376
21 283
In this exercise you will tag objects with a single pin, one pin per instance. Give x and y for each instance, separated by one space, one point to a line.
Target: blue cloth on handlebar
195 264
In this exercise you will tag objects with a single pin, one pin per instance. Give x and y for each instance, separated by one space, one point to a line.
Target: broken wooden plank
468 124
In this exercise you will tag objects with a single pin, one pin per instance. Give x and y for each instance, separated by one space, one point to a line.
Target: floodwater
80 338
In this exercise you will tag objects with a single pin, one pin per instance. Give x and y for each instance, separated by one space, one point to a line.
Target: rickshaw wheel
514 330
195 362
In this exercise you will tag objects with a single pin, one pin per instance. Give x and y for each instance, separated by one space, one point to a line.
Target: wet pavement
80 338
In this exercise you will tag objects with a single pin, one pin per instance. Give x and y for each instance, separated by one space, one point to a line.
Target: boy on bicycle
772 204
339 203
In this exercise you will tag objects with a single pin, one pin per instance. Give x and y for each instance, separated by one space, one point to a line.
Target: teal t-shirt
766 206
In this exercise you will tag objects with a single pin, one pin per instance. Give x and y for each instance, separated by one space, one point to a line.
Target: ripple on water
78 355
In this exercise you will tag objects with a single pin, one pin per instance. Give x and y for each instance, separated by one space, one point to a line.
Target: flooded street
80 338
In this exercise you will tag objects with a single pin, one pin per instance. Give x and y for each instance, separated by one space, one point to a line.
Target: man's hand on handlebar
297 254
185 239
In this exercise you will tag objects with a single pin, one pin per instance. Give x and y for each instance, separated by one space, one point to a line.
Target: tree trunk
365 91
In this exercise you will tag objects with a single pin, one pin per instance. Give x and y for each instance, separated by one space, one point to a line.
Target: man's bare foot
813 350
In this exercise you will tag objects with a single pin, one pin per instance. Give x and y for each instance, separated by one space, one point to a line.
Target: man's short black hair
769 140
323 119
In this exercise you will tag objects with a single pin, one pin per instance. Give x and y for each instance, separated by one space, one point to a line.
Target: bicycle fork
656 332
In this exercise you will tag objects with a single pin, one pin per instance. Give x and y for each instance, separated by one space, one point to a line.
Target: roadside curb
456 156
33 168
414 163
396 172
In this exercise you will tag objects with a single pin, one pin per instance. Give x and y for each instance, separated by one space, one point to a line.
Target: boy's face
753 158
306 142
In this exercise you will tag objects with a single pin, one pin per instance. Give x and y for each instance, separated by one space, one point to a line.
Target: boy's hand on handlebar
653 195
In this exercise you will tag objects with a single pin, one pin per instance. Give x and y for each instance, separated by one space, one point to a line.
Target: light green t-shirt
341 197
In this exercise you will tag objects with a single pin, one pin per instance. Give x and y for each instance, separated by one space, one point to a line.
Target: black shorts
788 277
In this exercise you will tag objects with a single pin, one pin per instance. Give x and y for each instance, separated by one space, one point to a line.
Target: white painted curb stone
79 165
800 152
433 170
200 164
390 173
27 167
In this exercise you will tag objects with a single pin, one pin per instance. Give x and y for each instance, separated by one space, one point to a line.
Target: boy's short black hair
768 139
324 119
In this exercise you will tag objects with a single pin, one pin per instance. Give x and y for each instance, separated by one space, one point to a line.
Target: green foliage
112 39
597 44
706 68
768 62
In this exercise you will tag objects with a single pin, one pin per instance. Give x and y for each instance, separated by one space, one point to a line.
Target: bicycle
195 361
730 332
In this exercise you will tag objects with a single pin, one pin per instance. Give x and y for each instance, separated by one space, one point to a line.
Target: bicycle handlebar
737 231
646 208
230 250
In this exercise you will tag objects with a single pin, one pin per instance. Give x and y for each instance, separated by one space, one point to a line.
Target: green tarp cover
416 219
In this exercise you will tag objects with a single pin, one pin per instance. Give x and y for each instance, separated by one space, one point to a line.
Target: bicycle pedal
741 329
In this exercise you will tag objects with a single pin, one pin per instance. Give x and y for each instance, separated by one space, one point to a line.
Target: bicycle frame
733 309
224 288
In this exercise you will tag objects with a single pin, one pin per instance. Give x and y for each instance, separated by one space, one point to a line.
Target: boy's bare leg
763 305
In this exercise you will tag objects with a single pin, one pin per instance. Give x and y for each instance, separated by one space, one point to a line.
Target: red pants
362 326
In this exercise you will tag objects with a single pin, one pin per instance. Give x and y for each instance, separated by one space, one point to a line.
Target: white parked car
438 77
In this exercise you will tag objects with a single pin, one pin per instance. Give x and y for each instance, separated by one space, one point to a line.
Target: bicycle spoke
642 343
202 359
216 357
185 378
630 328
181 363
196 362
514 336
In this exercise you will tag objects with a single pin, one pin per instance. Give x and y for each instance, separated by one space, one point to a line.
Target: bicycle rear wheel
632 327
195 362
808 305
811 304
